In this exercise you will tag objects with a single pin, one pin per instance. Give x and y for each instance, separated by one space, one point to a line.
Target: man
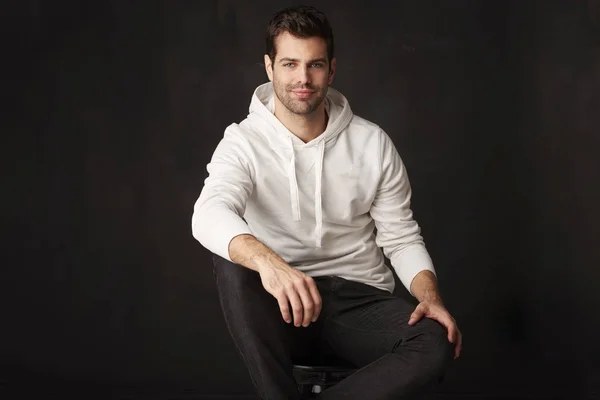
293 198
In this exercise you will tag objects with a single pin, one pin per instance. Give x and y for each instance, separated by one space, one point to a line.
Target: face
300 73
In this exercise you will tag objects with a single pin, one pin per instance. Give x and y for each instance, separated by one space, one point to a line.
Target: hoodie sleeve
218 212
397 232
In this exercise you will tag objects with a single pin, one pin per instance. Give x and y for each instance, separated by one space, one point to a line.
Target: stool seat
318 376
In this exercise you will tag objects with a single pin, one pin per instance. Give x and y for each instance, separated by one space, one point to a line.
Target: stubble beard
299 106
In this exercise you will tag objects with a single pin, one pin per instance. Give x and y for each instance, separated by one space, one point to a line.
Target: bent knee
431 340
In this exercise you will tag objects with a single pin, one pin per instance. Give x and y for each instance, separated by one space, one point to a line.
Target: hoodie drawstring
294 195
294 191
318 192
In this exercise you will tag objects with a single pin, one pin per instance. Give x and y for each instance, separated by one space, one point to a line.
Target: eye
317 65
288 64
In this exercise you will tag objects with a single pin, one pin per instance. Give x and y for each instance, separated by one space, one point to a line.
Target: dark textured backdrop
114 109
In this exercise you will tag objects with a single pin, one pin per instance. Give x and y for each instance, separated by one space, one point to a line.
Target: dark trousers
361 324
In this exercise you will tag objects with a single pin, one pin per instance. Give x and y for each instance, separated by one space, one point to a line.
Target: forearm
251 253
425 287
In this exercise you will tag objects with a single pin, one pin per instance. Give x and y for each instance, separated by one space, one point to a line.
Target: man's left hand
438 312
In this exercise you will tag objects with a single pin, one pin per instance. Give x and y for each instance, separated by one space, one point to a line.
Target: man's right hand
291 286
288 285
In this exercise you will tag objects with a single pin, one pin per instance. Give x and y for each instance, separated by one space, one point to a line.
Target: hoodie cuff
220 228
409 262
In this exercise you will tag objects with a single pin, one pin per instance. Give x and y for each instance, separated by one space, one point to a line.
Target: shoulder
242 134
367 134
236 143
363 124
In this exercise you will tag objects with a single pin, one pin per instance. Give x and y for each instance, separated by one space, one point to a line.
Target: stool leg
304 390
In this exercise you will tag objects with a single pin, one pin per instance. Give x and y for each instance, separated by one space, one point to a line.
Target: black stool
313 378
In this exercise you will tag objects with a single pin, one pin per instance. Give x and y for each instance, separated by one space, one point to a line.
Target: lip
303 93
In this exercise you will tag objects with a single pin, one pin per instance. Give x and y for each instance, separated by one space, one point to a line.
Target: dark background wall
114 109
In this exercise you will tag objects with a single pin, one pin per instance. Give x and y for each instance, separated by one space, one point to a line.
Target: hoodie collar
336 105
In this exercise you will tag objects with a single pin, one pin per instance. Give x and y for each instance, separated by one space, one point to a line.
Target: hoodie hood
262 116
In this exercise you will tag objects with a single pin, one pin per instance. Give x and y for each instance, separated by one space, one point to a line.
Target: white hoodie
315 204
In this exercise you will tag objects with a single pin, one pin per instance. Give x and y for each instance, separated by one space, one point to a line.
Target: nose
304 75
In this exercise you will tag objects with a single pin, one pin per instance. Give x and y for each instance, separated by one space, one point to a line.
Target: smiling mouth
303 93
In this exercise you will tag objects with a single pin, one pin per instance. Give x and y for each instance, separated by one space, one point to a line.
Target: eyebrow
288 59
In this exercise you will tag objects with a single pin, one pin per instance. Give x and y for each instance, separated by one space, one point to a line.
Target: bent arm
218 212
397 232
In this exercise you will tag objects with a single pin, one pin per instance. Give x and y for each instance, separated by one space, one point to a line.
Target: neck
306 127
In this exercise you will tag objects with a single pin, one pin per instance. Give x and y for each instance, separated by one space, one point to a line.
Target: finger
296 304
316 297
284 307
445 320
458 347
416 315
307 304
451 332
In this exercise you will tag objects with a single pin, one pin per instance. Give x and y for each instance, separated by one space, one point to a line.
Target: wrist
260 262
266 260
431 297
424 288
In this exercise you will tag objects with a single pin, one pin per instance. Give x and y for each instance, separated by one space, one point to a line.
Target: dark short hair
302 22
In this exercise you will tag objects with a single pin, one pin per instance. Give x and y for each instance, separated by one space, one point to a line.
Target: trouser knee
436 351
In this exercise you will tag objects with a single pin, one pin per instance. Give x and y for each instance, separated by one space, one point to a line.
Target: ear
269 67
331 71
